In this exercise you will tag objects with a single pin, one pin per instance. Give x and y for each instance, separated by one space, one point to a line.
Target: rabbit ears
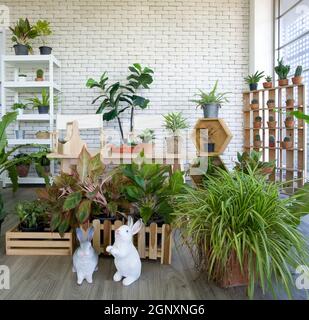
136 227
84 235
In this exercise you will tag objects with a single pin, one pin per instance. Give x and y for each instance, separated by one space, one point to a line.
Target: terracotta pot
283 82
39 79
272 144
254 106
272 124
267 85
173 144
257 125
290 103
297 80
289 124
232 275
271 106
257 144
122 149
23 170
287 144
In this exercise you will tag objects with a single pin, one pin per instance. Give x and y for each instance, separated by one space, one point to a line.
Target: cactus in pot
268 84
272 141
272 123
289 122
257 124
39 75
254 104
298 79
287 143
257 141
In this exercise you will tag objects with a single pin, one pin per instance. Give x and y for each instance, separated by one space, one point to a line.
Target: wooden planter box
38 243
152 242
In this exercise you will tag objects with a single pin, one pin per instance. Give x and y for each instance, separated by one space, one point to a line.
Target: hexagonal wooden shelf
218 133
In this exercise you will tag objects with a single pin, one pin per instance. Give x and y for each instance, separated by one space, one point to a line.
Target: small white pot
22 78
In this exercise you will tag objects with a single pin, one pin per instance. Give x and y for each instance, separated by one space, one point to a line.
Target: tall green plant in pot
43 30
254 79
211 102
282 71
174 122
41 104
23 32
241 232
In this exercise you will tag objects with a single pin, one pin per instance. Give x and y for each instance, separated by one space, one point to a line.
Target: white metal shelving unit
51 66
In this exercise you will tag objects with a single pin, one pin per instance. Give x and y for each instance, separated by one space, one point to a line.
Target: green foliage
42 27
268 79
243 215
75 198
258 119
250 163
37 102
257 137
147 135
211 98
271 119
31 214
17 106
3 213
150 189
289 118
254 78
272 139
254 101
300 115
175 121
282 70
117 98
287 139
269 101
40 161
298 71
39 73
23 159
23 33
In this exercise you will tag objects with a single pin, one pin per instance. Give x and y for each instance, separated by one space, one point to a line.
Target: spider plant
37 102
174 122
243 215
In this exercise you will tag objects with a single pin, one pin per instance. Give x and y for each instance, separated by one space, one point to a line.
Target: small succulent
39 73
147 135
268 79
257 137
289 118
258 119
270 101
254 78
290 101
271 119
272 139
298 71
254 101
287 139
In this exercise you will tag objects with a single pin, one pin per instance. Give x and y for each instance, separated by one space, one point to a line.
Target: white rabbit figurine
85 259
127 259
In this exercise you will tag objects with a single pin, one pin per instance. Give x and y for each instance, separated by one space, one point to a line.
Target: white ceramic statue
127 259
85 259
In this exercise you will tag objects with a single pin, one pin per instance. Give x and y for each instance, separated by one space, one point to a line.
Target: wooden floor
52 278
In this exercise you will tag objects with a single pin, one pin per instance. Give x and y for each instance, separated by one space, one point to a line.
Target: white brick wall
189 44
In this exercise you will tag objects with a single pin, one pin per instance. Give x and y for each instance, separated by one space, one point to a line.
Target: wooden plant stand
38 243
290 163
152 242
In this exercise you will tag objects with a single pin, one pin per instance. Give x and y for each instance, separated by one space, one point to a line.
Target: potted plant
289 122
268 84
39 75
254 79
257 141
22 77
250 162
147 137
287 143
23 33
240 242
32 216
272 141
272 123
298 79
290 103
174 122
270 104
41 104
113 95
282 72
211 102
257 124
43 30
23 164
254 104
150 191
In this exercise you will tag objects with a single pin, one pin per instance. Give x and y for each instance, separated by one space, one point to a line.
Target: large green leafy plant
243 215
117 98
75 198
282 70
23 33
149 189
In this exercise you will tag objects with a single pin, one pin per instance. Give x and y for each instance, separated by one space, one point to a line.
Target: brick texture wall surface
189 45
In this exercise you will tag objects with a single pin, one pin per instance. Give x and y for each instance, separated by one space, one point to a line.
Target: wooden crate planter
152 242
38 243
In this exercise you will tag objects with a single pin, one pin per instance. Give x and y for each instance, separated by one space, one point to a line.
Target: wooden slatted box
152 242
38 243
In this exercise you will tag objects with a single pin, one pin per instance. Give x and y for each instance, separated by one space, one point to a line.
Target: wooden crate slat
166 244
38 252
153 241
37 244
96 236
38 235
141 242
107 234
